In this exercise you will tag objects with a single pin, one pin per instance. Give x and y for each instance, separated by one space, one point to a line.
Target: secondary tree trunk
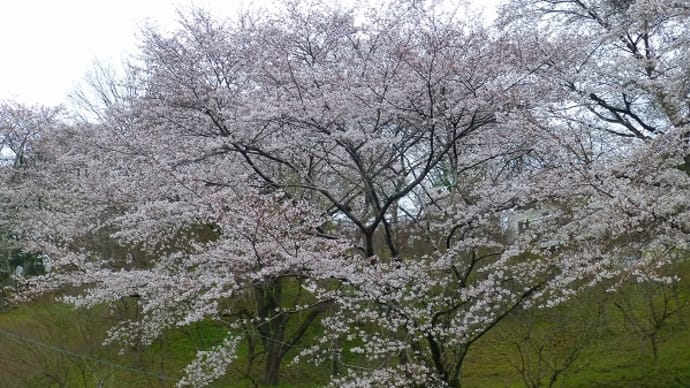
272 365
272 328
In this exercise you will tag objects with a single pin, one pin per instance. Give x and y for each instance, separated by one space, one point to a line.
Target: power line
58 349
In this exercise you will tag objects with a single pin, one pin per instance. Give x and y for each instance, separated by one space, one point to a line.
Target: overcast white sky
46 46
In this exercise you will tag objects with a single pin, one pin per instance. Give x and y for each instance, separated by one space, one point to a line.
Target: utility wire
21 338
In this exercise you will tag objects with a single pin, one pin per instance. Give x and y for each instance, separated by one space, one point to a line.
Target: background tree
21 127
547 345
615 83
648 308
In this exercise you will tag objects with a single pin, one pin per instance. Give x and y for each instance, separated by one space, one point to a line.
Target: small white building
516 222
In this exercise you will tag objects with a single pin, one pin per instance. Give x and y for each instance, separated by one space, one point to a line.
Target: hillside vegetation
49 344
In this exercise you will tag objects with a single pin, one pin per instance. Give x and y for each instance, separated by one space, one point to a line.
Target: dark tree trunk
272 330
272 365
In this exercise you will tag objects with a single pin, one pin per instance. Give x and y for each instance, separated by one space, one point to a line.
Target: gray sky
47 46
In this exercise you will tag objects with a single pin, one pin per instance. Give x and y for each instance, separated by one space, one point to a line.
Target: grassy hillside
598 340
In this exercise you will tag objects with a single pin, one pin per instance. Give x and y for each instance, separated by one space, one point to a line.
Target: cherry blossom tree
616 73
20 125
355 166
20 128
358 119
